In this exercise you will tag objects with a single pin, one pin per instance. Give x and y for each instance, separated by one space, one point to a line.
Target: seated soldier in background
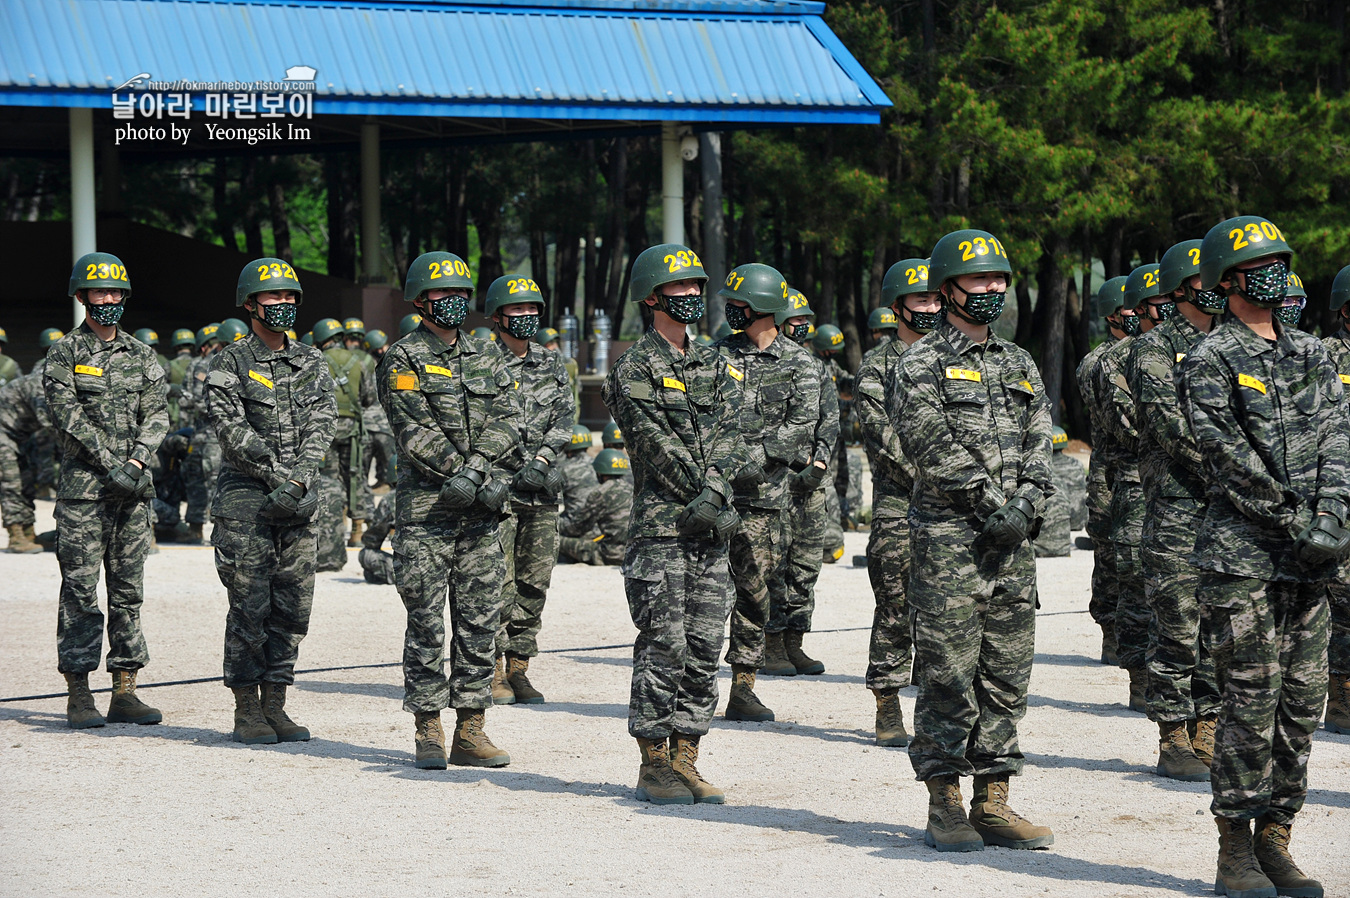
597 532
1070 479
577 471
1054 540
377 565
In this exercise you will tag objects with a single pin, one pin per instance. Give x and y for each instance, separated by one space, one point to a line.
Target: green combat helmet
612 436
326 329
208 334
1178 265
433 271
147 336
1141 286
231 331
266 275
99 270
408 324
1242 239
49 338
1340 289
581 438
509 289
724 330
906 278
1059 438
610 463
704 339
546 335
761 287
828 338
307 338
483 333
4 335
1111 296
663 264
1295 301
881 319
970 251
376 339
354 327
797 307
182 337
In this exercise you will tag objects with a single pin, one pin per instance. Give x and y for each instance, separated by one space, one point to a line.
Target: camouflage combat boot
430 740
250 727
743 703
805 664
516 668
1338 704
194 536
80 711
948 829
358 526
1239 874
657 782
274 712
471 746
999 824
1109 647
683 758
21 541
1202 740
1176 755
776 663
502 693
1272 853
125 706
1138 689
891 730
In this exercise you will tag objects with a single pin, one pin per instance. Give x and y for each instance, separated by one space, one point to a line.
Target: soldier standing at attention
342 484
105 391
677 402
971 414
917 310
1338 652
448 398
181 344
354 340
881 323
270 402
381 454
545 413
1269 417
203 461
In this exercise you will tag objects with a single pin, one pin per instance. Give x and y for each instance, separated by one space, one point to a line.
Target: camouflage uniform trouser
530 545
17 486
1181 683
380 457
973 608
1105 594
833 541
335 501
268 571
115 537
1338 652
679 599
1269 644
44 456
1132 611
589 551
888 565
792 590
376 566
756 554
199 474
427 560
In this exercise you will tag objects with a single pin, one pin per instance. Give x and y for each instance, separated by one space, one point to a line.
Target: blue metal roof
728 61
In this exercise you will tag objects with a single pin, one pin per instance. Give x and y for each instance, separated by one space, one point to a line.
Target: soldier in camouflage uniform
1183 698
23 413
882 325
203 461
578 471
972 417
9 369
550 339
545 413
381 454
598 531
1338 652
449 400
354 340
269 400
377 565
1070 479
342 477
918 310
105 392
826 342
1269 418
677 402
182 344
1054 538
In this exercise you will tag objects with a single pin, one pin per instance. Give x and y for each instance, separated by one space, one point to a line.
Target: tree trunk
615 238
714 224
1054 300
1025 323
253 241
281 226
824 305
224 220
456 210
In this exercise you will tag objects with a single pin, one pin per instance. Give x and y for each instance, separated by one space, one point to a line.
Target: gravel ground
813 807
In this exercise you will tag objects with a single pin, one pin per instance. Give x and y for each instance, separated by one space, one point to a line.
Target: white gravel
814 808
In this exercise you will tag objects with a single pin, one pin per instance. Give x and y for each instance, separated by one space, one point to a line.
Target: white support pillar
370 203
672 185
83 208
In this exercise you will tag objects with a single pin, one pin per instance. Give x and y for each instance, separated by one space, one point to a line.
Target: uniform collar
464 343
963 345
1254 344
119 340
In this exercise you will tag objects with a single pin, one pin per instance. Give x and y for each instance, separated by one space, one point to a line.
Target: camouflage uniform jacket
1271 423
891 471
974 420
1099 493
1121 443
274 414
545 411
1170 466
9 370
192 401
1338 348
604 513
23 405
781 408
373 414
579 479
107 402
679 414
450 408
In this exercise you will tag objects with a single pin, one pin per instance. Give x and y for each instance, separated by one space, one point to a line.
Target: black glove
305 509
750 476
145 486
122 482
283 502
532 478
1010 523
459 491
1321 541
493 495
699 516
727 524
555 482
808 479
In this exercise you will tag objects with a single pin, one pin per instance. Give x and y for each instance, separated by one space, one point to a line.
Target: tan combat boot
657 782
502 694
743 703
430 740
1176 755
194 534
805 664
1338 703
948 829
471 746
358 526
81 714
891 730
274 712
1109 646
250 727
1138 689
1203 738
999 824
1272 853
1239 874
125 706
517 666
776 663
21 541
683 758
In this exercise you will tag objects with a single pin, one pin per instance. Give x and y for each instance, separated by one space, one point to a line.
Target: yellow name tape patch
734 373
1246 380
674 384
89 369
254 375
1345 378
963 374
437 369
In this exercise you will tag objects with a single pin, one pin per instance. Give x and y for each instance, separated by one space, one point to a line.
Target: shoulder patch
1246 380
674 384
402 379
638 390
1345 378
220 379
964 374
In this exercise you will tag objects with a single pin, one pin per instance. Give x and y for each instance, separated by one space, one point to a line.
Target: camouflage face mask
684 309
922 322
1267 285
448 311
1131 325
522 327
799 333
1161 311
106 315
1289 315
1211 302
981 308
738 317
278 318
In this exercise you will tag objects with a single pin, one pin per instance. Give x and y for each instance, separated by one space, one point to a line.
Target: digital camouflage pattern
343 487
1071 479
579 481
23 412
974 421
1053 541
598 532
1105 595
529 538
1338 652
204 459
377 565
176 373
273 413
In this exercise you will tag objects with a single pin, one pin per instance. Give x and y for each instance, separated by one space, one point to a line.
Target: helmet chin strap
958 308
